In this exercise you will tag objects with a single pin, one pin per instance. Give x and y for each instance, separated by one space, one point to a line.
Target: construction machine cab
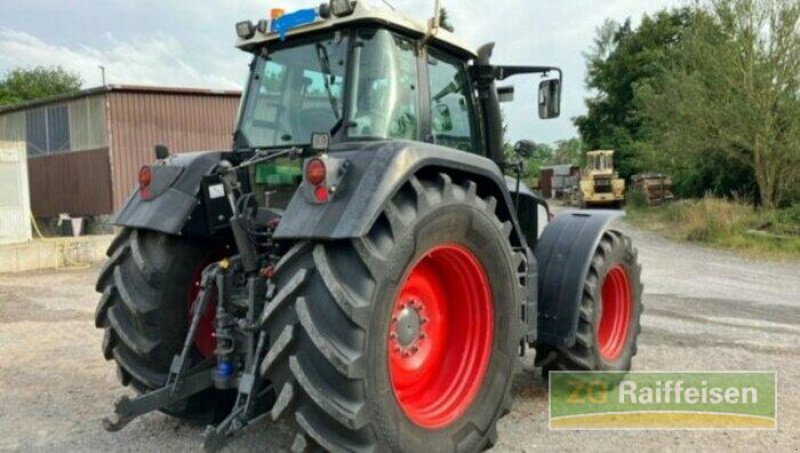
600 162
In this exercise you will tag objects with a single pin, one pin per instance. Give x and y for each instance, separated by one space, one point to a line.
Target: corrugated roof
144 89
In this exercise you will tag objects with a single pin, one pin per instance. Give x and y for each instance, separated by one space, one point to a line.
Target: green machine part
276 181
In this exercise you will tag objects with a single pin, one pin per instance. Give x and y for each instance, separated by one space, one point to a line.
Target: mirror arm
504 72
488 73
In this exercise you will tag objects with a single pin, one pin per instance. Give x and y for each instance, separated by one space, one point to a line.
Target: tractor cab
343 74
359 76
355 73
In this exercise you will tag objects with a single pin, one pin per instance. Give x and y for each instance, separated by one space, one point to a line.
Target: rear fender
181 199
371 174
564 254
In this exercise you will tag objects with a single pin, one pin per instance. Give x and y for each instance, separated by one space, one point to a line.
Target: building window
47 130
36 132
58 129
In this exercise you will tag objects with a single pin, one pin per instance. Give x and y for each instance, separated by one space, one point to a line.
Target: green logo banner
663 400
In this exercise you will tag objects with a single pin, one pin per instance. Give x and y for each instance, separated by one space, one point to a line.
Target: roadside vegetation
710 95
724 223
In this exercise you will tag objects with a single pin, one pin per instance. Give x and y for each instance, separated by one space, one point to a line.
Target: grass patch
728 224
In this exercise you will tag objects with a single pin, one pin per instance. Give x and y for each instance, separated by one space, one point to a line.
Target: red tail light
316 172
145 178
322 194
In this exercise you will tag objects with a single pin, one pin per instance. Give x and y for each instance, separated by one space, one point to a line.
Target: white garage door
15 224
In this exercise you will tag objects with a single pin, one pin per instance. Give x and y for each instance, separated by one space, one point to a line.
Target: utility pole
103 74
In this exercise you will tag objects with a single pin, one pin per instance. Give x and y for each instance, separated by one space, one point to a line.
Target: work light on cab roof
281 25
280 22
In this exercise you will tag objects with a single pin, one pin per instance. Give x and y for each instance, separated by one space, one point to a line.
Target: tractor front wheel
403 340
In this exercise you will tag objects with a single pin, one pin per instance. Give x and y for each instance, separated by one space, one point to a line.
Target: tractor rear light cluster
145 179
317 175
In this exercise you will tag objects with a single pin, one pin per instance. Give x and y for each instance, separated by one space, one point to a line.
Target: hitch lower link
184 381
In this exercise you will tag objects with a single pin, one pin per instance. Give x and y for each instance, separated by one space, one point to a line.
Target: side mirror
550 99
442 118
525 149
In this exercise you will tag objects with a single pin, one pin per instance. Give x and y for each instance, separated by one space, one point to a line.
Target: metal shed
554 179
84 150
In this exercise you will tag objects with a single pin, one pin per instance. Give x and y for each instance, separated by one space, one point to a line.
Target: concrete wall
61 253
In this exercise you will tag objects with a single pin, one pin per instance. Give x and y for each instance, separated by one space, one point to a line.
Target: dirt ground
704 310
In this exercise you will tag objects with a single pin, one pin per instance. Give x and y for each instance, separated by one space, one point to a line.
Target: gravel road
704 310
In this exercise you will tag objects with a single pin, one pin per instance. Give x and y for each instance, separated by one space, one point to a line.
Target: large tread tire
327 321
615 248
143 309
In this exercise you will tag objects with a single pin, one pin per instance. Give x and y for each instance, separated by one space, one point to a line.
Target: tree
22 85
568 152
734 94
621 59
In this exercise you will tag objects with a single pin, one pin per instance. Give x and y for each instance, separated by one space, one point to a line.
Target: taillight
317 177
322 194
316 172
145 178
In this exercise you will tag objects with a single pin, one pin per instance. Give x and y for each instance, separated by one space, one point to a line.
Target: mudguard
527 204
175 194
564 254
371 174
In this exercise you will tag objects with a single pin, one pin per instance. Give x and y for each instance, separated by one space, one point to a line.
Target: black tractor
359 261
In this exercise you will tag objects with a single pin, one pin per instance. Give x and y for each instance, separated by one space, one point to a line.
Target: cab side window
452 124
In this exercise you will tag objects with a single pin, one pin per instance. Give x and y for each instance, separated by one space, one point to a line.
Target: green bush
785 221
636 199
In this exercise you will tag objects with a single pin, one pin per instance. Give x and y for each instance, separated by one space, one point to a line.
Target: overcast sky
190 43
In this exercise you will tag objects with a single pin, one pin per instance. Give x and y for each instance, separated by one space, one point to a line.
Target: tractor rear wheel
403 340
608 325
148 285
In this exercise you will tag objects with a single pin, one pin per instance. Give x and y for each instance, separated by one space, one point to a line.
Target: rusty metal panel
546 182
77 183
182 120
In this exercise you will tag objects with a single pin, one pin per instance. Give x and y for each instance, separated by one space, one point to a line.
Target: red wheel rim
615 318
440 336
204 339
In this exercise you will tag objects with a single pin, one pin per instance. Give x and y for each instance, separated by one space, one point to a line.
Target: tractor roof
362 14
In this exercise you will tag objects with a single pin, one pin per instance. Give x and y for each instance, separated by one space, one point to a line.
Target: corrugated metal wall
77 183
184 122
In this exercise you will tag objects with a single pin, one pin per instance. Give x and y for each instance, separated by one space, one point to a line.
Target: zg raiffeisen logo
663 400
